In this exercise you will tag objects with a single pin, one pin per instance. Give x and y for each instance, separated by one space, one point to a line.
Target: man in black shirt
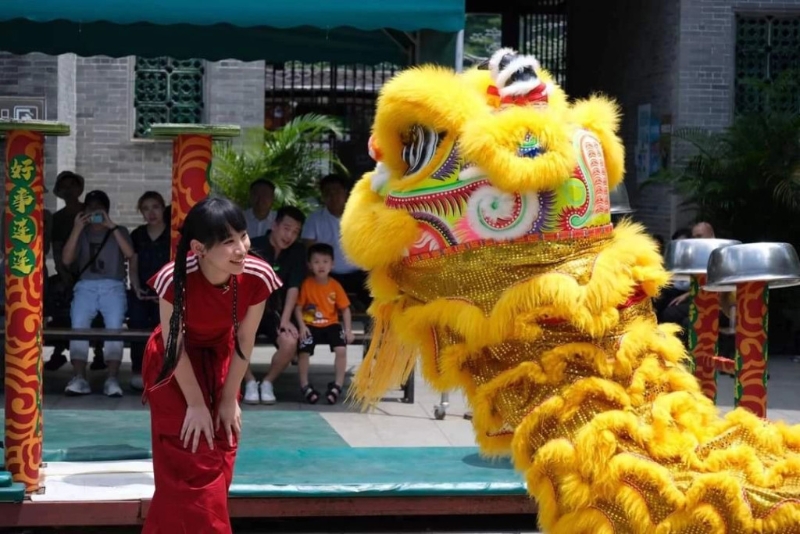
287 256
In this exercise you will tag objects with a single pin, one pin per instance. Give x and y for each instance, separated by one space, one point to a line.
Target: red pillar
24 264
752 317
191 166
703 334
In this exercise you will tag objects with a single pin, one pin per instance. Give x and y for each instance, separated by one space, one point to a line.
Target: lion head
491 155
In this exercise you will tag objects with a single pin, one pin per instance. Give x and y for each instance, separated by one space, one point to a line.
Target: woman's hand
80 221
107 222
197 421
230 417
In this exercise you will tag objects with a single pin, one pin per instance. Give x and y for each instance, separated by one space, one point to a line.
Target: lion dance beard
550 334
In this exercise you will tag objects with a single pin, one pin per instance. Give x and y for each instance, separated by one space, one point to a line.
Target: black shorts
332 335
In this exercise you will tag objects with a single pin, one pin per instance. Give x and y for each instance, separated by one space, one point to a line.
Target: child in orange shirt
317 311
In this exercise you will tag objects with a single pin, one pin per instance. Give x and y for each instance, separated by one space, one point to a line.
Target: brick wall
34 75
108 156
95 96
707 57
628 50
707 61
67 108
235 93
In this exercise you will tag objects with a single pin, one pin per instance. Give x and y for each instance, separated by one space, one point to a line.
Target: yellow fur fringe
609 429
645 401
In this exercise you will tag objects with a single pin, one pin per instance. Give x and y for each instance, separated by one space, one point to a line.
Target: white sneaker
267 395
78 386
111 388
137 384
251 393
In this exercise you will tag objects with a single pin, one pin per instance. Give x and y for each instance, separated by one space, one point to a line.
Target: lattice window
543 33
767 57
167 91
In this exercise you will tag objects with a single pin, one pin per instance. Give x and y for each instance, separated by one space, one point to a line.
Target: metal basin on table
774 263
687 257
620 203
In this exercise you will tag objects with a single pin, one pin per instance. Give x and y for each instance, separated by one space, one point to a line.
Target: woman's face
227 256
152 211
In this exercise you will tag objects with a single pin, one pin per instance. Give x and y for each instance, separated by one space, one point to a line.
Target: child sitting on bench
317 311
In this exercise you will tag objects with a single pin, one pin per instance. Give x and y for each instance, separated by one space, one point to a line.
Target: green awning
345 31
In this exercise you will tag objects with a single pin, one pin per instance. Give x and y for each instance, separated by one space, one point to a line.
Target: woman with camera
98 248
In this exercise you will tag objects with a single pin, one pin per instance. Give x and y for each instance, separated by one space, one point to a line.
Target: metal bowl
620 203
686 257
774 263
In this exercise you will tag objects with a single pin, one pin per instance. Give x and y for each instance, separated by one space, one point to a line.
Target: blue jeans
90 297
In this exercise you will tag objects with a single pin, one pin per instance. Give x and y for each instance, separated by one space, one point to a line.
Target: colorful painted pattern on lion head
490 155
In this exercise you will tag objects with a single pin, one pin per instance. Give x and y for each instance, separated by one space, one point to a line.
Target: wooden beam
124 513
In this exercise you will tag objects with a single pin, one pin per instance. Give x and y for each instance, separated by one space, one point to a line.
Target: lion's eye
419 147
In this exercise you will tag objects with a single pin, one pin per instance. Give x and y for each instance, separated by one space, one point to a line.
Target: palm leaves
745 180
292 157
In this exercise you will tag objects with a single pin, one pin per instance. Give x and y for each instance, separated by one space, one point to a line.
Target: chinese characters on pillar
22 231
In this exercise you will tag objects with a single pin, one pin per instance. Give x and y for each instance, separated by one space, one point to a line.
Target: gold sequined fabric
482 274
611 430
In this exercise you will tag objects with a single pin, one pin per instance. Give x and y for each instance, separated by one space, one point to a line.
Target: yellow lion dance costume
485 228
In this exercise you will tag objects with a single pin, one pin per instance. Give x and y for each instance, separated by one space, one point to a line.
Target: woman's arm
247 340
184 373
288 306
124 244
69 252
133 266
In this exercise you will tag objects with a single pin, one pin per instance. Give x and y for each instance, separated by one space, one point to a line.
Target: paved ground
393 423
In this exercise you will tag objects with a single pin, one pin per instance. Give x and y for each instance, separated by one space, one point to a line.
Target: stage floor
96 456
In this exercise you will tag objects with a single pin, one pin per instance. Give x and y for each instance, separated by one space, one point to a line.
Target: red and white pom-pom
505 66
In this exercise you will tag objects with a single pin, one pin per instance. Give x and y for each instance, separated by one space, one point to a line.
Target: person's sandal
311 394
334 390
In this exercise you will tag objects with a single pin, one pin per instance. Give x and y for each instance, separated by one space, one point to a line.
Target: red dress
191 489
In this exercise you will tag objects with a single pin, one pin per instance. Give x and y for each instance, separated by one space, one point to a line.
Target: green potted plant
293 157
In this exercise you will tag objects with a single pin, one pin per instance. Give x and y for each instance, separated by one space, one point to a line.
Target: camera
96 218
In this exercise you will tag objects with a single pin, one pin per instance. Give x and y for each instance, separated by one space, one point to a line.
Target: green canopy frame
340 31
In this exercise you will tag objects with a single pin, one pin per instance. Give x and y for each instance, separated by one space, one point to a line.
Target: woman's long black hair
210 222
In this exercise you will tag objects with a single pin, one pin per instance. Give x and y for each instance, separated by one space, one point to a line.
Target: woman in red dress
211 301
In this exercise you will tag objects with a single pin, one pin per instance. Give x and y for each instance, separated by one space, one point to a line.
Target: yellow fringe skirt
557 349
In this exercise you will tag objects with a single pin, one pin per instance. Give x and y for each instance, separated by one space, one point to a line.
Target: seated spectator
151 245
280 248
703 230
69 188
673 304
323 227
317 312
98 247
260 215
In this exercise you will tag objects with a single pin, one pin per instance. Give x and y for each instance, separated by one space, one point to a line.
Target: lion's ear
601 116
422 99
372 234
